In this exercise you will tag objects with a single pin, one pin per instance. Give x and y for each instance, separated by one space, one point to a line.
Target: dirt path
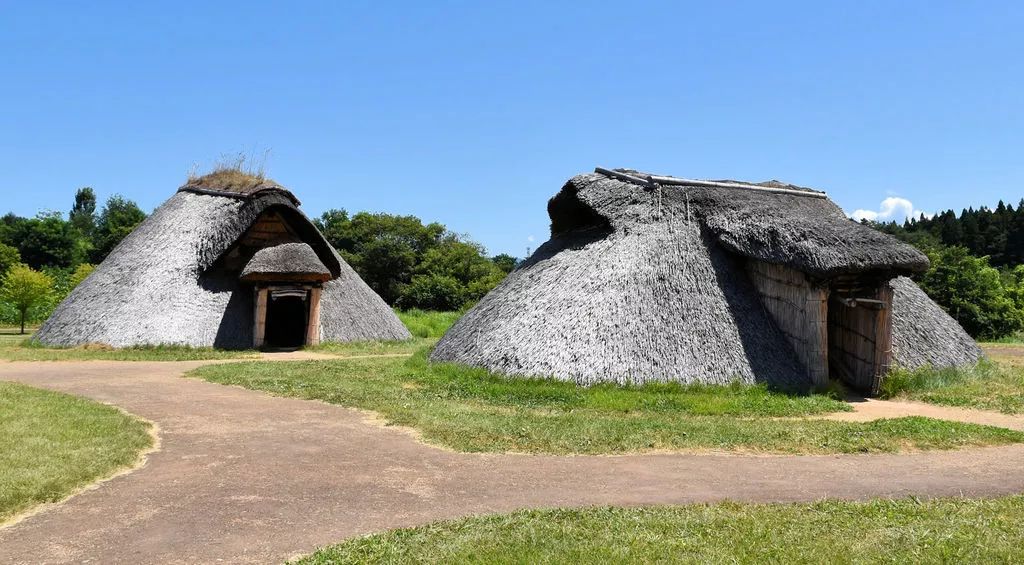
245 477
867 409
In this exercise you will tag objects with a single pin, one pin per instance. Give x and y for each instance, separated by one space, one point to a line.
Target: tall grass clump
426 323
989 385
900 381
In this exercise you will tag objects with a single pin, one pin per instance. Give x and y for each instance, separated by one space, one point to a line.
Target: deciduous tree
25 288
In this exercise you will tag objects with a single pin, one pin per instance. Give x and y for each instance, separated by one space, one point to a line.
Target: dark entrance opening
287 314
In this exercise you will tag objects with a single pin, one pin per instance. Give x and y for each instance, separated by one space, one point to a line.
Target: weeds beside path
994 384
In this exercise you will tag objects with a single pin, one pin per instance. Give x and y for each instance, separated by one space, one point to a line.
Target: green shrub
433 292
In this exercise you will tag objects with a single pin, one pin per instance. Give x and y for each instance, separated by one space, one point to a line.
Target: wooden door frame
313 295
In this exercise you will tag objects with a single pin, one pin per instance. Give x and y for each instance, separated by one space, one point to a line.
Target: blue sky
474 114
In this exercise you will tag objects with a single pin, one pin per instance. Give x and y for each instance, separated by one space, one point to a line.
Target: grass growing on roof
468 409
995 384
882 531
233 171
22 348
52 444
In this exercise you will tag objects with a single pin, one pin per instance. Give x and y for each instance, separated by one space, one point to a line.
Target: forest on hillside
996 233
977 265
976 274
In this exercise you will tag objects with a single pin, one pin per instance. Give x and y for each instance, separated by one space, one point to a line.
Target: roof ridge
644 179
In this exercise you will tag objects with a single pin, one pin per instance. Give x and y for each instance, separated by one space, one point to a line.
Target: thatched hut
229 261
650 278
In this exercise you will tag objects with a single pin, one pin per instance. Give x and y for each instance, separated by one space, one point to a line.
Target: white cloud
529 238
892 208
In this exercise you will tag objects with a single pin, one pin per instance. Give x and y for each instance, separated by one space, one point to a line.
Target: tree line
977 265
994 233
43 258
411 264
976 273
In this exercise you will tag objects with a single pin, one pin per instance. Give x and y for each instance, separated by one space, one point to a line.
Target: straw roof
166 283
643 282
234 183
294 260
924 334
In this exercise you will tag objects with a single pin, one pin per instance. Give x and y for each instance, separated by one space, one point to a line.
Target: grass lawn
427 324
995 384
14 347
426 328
52 444
358 348
902 531
471 410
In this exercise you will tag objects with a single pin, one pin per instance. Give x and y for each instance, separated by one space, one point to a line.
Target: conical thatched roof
645 282
169 281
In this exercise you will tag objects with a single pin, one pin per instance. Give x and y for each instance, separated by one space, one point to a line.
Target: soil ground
245 477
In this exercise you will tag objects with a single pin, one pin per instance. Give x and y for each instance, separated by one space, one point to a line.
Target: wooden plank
723 184
883 340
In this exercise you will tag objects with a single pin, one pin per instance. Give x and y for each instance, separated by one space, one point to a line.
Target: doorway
860 338
840 328
287 319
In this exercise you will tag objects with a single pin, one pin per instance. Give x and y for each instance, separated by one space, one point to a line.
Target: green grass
468 409
361 348
900 531
1016 338
426 328
52 444
426 324
996 384
21 348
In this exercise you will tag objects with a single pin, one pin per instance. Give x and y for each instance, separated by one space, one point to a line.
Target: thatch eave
807 232
286 262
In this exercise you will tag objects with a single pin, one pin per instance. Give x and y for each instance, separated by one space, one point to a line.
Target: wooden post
313 326
817 358
883 337
260 318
